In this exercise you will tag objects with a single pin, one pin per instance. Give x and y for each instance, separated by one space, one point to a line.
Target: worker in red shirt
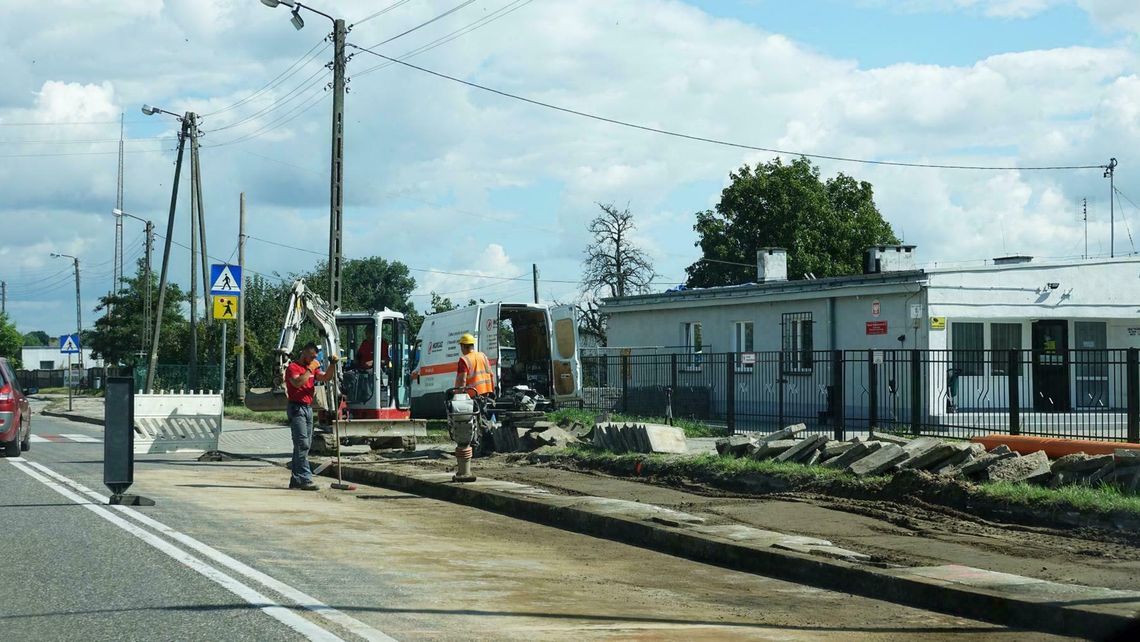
300 381
366 353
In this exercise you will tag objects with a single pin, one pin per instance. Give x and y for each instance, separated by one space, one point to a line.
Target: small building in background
50 358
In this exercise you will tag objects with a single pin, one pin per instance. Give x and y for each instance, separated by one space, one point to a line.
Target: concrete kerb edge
822 573
72 417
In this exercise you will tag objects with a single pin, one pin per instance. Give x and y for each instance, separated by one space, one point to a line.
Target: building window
47 365
797 344
691 340
1003 338
742 340
966 344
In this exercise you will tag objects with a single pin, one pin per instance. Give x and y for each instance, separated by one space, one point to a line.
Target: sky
470 188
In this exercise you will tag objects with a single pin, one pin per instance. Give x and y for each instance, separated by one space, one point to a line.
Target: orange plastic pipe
1054 447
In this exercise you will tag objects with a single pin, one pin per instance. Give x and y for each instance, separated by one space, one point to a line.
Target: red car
15 415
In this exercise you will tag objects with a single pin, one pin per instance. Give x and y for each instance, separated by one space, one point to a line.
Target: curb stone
999 598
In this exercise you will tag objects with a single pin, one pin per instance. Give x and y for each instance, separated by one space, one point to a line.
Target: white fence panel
177 421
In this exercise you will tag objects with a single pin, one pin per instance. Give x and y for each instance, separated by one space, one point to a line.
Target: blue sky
451 180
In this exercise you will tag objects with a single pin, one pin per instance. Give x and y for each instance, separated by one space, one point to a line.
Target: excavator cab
376 377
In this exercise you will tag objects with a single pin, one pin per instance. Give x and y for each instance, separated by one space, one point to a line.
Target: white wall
32 356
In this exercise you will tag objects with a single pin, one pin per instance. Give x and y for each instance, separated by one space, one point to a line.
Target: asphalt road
227 553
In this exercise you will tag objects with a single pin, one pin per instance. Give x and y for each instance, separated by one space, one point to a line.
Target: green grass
1101 498
691 427
263 417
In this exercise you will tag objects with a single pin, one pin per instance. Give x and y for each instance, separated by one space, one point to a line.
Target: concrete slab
836 448
854 454
665 439
1079 463
878 462
1028 588
787 433
773 448
735 446
1031 467
937 456
802 448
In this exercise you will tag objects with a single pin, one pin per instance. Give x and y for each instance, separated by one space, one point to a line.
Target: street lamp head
298 23
117 212
272 4
148 110
55 255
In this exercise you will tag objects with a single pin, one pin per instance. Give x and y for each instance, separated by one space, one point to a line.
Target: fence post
625 383
1133 383
780 391
837 394
872 392
730 393
673 371
1012 367
916 395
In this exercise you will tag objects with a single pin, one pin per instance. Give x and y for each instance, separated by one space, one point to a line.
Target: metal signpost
69 345
225 286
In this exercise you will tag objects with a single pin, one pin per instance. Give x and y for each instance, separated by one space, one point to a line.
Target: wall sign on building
1134 332
875 308
876 327
937 323
747 358
916 310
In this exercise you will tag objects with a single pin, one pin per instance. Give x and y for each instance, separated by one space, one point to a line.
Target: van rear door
487 334
565 366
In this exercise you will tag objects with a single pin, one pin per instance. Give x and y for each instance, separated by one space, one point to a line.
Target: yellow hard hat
467 339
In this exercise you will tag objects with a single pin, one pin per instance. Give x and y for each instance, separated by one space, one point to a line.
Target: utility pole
3 298
336 203
1085 212
192 359
241 303
1110 174
196 171
118 268
534 278
152 360
148 309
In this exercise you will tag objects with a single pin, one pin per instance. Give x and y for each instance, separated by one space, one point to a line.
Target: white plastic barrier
172 421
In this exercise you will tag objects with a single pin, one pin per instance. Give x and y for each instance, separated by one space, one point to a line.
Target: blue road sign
225 279
69 344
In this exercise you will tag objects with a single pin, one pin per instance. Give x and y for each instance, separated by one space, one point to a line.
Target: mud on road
907 533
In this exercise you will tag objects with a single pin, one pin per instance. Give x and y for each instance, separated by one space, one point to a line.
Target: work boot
308 486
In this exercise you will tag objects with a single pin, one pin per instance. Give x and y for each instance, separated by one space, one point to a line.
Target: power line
303 87
60 122
380 12
57 154
713 141
291 70
92 141
288 117
424 24
501 12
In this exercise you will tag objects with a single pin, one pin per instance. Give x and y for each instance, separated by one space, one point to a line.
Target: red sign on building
876 327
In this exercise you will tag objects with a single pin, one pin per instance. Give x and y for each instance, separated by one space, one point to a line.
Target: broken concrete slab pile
882 454
511 437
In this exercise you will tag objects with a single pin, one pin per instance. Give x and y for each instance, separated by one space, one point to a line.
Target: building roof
775 289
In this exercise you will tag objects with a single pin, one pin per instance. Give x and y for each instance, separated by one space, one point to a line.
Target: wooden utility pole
534 278
241 304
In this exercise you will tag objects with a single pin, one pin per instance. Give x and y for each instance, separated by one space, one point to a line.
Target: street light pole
78 304
152 359
336 175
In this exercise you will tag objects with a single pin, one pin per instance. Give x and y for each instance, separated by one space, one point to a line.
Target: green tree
11 342
440 304
264 313
824 225
37 339
119 337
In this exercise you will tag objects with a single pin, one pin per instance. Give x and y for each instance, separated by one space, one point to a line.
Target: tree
37 339
119 338
824 225
614 265
11 342
441 304
368 284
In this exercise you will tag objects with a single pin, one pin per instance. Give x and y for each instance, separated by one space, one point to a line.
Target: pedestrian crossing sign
69 344
225 307
225 279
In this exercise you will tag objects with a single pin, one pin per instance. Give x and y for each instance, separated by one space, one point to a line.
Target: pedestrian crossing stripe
72 438
225 279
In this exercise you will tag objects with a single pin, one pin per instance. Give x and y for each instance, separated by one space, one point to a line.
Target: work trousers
301 429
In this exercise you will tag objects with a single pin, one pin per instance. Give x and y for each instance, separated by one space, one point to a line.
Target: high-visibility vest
479 374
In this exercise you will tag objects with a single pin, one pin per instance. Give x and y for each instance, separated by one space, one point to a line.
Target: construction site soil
900 525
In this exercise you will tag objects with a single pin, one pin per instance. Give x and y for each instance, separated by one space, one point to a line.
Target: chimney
771 264
888 258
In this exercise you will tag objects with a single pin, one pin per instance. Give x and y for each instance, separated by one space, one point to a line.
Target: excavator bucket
265 399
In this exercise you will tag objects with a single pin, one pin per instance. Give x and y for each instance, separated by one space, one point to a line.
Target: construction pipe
1054 447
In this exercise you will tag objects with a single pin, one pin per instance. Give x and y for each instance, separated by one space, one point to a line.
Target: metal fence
176 377
1087 394
87 378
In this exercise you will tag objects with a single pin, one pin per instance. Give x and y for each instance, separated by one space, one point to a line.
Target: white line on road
268 606
83 439
36 439
302 599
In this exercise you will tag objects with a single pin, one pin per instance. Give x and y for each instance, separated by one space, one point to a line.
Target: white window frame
742 342
693 340
796 351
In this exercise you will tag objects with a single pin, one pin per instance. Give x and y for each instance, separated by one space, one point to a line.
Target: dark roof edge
778 286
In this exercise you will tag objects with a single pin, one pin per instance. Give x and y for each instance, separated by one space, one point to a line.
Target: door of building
1051 366
1090 363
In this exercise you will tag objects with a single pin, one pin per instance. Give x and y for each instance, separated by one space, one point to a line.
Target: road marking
266 605
302 599
83 439
36 439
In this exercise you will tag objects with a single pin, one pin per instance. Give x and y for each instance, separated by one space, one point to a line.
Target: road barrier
171 421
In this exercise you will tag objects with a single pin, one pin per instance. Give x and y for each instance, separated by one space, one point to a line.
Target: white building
49 358
1072 320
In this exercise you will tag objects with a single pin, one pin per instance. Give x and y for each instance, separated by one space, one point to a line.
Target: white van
531 344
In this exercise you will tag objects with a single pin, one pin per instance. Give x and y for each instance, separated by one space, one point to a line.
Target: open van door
565 366
487 336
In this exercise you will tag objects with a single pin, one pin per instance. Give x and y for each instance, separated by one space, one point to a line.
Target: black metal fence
87 378
1086 394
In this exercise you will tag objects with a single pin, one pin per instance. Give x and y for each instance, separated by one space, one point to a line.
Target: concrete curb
70 416
1024 603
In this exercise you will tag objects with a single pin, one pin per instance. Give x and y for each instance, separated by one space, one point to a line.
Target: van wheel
26 445
12 449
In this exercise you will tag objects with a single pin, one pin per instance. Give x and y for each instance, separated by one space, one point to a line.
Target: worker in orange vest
474 369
